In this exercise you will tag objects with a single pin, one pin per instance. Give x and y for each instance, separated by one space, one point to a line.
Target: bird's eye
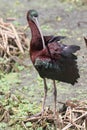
34 13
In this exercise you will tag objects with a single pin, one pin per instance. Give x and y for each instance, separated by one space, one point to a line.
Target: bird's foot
47 114
44 112
43 117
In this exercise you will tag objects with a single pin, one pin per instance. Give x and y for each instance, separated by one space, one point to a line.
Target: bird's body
52 59
53 63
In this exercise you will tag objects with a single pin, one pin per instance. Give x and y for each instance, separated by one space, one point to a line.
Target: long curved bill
37 23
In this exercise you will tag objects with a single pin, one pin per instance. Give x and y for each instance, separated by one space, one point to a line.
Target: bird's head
32 15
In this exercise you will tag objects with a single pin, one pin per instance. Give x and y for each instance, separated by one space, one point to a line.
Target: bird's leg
45 95
55 96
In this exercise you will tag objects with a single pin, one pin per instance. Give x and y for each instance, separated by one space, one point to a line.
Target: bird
51 58
85 41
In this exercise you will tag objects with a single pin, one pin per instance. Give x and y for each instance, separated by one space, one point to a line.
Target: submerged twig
73 117
69 125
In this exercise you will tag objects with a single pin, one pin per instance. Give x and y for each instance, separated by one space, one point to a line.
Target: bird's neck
34 30
36 41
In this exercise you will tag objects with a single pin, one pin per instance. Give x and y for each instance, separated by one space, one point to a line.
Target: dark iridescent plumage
51 59
59 63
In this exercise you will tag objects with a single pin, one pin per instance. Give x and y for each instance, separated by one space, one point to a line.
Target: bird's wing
56 38
57 50
50 39
68 51
47 38
56 46
52 51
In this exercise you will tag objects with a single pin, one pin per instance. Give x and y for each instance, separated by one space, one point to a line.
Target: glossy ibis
51 59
